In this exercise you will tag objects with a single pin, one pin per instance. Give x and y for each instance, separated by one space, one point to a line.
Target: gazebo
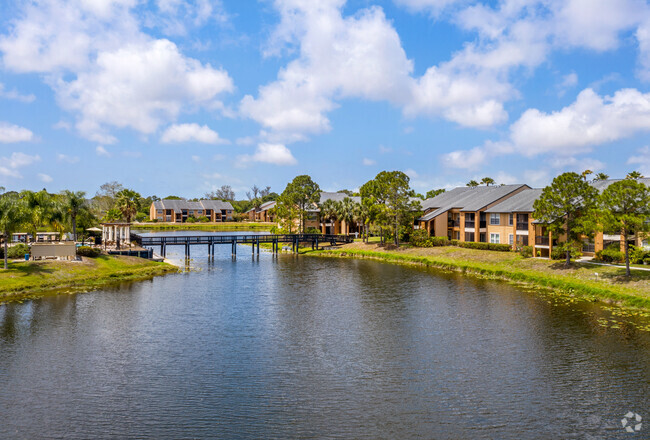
116 234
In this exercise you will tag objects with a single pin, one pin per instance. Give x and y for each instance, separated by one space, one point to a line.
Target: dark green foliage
525 251
16 252
87 251
420 238
559 252
611 254
434 192
312 231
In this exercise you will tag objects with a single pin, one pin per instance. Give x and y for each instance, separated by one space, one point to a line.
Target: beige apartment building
178 211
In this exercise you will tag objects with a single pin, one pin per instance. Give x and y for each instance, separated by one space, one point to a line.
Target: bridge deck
211 240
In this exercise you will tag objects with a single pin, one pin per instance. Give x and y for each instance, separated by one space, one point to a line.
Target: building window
511 237
495 238
160 211
482 237
469 236
511 219
495 219
199 212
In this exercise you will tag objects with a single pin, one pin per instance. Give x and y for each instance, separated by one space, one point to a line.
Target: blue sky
181 97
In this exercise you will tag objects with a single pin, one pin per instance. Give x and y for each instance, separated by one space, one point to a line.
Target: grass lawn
580 279
30 278
221 226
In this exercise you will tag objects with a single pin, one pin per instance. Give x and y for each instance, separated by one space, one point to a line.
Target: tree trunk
627 256
396 231
74 227
567 263
6 236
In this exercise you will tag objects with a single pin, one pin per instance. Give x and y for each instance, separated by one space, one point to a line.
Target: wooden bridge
254 240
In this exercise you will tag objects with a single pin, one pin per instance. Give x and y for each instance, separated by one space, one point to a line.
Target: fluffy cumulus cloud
9 166
590 121
191 133
105 69
10 133
276 154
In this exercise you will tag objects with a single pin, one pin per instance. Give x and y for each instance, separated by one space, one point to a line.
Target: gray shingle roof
520 202
467 199
602 184
179 205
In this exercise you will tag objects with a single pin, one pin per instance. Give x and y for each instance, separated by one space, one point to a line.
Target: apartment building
460 214
265 213
178 211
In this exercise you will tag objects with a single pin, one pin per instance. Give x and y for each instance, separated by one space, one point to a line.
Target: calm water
300 347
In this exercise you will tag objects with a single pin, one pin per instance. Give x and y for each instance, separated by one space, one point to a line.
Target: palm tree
600 176
472 183
488 181
329 212
634 175
128 202
346 210
73 204
585 173
41 209
12 215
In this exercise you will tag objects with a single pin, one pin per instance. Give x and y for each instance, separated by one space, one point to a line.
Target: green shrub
420 238
454 242
439 241
559 251
15 252
204 219
312 231
637 255
87 251
190 219
499 247
646 261
525 251
611 254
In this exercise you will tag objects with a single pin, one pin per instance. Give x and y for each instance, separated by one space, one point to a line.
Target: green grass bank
227 226
607 284
31 279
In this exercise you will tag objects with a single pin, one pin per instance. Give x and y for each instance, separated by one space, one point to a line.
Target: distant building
178 211
265 213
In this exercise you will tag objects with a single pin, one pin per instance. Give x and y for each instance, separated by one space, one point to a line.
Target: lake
306 347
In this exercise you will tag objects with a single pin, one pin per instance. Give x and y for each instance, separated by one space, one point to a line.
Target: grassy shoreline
227 226
33 279
608 286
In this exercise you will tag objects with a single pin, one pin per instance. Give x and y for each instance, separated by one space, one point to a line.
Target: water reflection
296 347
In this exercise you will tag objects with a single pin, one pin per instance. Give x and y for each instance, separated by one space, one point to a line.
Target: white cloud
591 120
578 128
15 95
9 165
191 133
411 173
10 133
433 6
276 154
368 162
105 70
101 151
141 87
642 159
196 159
44 178
65 158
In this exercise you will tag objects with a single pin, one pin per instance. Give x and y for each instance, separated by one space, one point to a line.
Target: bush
559 252
190 219
15 252
611 254
87 251
238 217
439 241
203 219
646 261
525 251
420 238
637 255
312 231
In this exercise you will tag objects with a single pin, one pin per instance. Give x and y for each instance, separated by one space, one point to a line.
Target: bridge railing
218 239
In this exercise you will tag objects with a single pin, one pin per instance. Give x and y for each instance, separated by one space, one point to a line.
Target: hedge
420 239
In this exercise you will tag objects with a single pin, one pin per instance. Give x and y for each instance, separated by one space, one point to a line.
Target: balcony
483 224
522 226
470 224
542 240
453 223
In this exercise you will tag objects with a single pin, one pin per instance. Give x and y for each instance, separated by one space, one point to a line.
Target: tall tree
472 183
105 198
304 193
73 203
625 207
128 202
223 193
12 216
391 189
346 211
586 173
565 206
286 212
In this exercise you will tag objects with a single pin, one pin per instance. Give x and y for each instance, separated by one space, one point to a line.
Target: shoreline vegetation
593 282
35 279
221 226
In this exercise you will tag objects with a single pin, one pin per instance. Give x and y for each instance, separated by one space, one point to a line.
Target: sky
173 97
